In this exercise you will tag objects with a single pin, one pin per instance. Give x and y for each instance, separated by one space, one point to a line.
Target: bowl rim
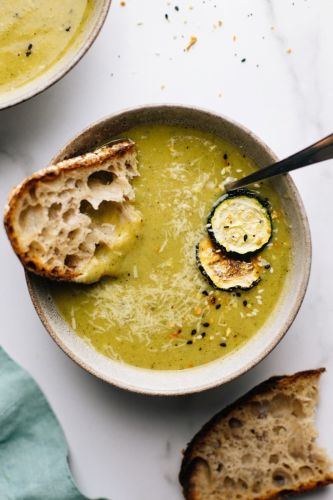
20 97
283 328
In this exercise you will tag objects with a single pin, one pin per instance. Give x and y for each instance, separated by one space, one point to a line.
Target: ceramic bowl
268 336
65 64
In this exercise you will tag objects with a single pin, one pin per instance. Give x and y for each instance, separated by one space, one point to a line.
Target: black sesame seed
245 237
238 294
226 227
267 266
29 50
204 292
244 303
166 16
176 8
203 334
243 60
218 306
223 344
205 324
200 348
193 332
189 342
225 156
68 28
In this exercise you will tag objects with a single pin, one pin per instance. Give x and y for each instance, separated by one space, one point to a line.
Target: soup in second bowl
35 34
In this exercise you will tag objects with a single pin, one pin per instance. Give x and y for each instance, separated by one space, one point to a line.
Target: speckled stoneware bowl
70 58
222 370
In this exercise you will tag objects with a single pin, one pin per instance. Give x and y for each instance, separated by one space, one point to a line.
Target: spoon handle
320 151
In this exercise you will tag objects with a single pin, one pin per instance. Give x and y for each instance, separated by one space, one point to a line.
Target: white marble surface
125 446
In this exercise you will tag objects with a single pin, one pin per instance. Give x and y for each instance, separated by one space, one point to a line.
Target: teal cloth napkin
33 449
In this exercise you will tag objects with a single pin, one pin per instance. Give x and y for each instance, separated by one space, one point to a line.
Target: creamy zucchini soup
35 34
163 308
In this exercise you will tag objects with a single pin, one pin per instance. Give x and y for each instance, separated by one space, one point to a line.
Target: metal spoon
320 151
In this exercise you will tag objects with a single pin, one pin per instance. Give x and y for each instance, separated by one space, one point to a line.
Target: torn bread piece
75 220
261 447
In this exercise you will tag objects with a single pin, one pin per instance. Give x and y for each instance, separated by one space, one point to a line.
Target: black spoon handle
320 151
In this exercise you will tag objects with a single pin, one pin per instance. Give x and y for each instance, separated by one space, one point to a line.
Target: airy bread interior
264 446
47 221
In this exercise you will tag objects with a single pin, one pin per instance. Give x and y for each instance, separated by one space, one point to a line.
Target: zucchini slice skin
240 223
225 273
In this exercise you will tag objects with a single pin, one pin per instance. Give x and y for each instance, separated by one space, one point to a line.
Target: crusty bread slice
50 231
261 447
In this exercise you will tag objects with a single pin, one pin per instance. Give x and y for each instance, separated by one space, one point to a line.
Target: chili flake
193 41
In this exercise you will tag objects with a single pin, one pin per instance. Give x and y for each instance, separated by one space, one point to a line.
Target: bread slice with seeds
52 217
261 447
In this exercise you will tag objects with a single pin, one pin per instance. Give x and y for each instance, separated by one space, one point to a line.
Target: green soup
160 312
35 34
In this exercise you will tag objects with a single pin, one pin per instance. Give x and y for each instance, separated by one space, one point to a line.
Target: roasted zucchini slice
240 223
223 272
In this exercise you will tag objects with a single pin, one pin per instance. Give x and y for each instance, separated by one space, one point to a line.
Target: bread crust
191 462
87 161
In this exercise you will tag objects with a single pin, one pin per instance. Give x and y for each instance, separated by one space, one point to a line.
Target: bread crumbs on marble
192 42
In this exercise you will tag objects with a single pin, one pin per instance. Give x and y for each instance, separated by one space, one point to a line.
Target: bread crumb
193 41
234 38
289 51
123 4
220 23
